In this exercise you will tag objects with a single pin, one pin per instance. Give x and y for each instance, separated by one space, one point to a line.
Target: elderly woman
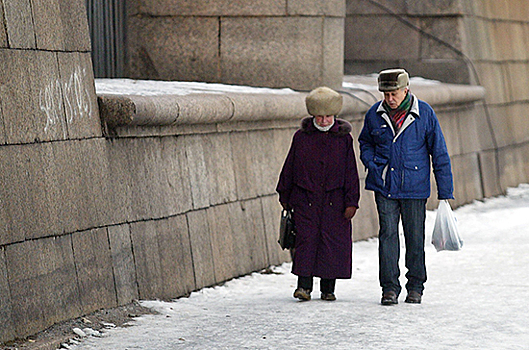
319 181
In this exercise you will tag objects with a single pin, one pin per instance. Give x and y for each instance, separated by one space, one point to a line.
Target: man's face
395 98
324 120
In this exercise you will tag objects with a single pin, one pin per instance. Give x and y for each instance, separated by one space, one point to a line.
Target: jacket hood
340 127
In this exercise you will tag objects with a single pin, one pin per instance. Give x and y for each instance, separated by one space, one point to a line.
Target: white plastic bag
445 234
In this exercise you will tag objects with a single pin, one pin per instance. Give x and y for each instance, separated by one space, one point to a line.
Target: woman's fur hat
324 101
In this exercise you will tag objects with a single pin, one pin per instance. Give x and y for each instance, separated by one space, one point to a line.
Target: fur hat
324 101
393 79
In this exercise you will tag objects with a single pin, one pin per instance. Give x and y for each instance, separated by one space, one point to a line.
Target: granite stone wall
295 43
471 42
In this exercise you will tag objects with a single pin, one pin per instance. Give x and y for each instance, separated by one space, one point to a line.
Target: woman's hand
349 212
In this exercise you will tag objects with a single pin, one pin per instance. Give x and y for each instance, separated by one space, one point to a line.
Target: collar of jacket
340 127
414 106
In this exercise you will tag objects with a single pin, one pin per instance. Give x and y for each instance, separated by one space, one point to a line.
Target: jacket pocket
416 177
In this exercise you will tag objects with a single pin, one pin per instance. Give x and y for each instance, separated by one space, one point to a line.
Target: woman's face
324 120
395 98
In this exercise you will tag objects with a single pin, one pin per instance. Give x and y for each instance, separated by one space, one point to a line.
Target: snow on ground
155 87
474 299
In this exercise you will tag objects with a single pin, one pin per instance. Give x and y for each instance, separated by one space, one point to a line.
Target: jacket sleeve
286 177
352 187
367 145
442 168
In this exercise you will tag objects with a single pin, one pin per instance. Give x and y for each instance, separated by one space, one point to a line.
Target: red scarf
398 115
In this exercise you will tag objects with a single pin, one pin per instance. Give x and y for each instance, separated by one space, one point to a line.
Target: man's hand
349 212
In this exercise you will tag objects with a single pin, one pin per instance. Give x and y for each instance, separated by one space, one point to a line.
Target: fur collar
340 127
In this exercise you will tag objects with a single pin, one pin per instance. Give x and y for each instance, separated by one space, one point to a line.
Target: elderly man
400 135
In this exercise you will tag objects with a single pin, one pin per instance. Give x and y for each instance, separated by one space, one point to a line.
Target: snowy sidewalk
474 299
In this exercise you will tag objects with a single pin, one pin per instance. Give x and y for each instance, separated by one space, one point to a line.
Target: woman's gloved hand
349 212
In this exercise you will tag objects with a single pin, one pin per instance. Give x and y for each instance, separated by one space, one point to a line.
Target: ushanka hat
393 79
323 101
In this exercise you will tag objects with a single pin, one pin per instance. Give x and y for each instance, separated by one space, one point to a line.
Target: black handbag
287 230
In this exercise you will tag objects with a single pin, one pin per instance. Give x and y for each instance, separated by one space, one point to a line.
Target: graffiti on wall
67 101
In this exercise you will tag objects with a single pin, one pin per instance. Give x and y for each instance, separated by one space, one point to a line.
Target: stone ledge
122 110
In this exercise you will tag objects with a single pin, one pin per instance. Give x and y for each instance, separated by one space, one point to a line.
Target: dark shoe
328 296
389 298
413 297
302 294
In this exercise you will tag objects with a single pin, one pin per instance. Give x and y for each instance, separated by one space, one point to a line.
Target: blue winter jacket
398 166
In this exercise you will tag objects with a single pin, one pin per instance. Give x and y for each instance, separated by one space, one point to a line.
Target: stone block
472 133
220 168
252 47
43 283
331 8
265 166
48 106
82 182
177 48
517 114
18 111
19 24
79 96
26 203
120 185
365 221
481 47
365 7
434 7
450 126
271 218
178 195
489 173
199 176
225 260
511 166
93 262
123 264
209 8
447 29
247 221
148 178
492 78
201 250
3 33
75 25
240 233
501 124
364 40
333 52
163 258
7 331
517 77
244 166
467 179
49 31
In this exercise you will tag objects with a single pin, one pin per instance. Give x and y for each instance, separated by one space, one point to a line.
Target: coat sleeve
442 168
286 177
367 145
352 187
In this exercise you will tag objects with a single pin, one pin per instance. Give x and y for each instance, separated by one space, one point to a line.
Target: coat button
310 204
389 195
330 204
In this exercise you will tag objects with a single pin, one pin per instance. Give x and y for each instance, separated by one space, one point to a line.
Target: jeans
412 212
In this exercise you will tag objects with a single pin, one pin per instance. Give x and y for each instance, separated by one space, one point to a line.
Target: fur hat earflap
324 101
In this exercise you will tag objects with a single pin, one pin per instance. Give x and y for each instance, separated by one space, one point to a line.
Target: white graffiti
76 101
51 104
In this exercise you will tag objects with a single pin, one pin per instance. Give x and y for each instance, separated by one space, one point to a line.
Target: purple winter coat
319 180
